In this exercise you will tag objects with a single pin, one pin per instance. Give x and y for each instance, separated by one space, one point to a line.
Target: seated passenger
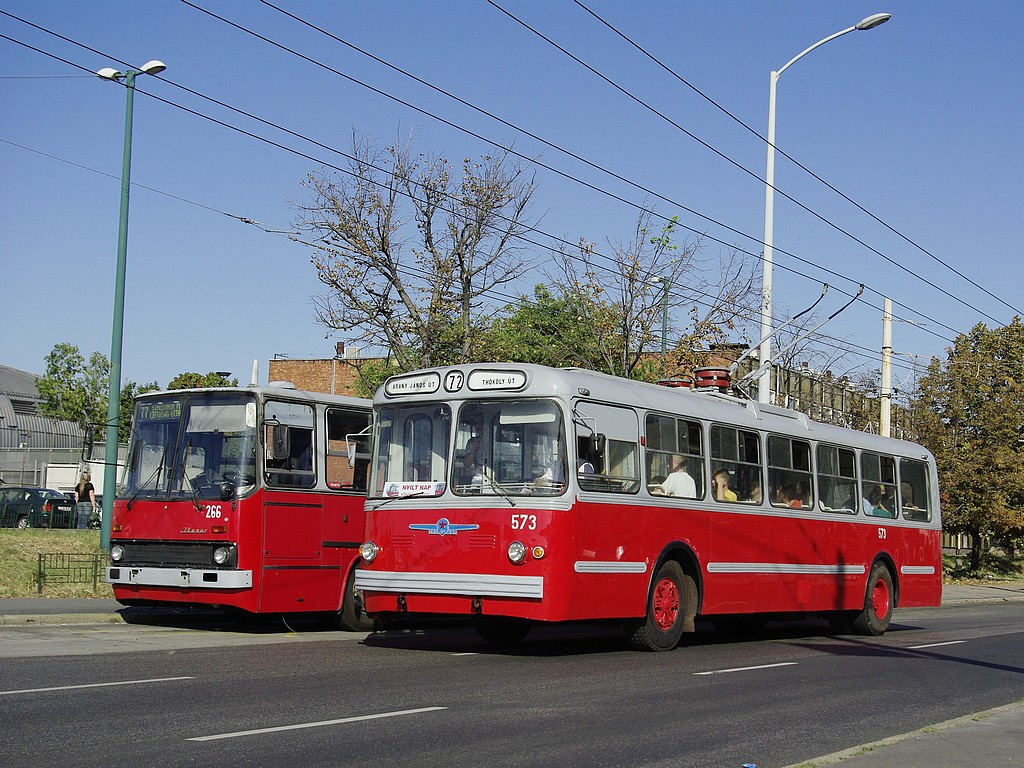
720 486
789 496
679 482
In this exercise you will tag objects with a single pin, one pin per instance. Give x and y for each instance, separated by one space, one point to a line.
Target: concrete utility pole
885 394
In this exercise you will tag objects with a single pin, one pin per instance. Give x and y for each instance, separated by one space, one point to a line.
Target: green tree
969 411
191 380
623 296
73 390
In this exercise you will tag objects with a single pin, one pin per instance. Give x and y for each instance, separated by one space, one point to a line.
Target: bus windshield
200 445
507 447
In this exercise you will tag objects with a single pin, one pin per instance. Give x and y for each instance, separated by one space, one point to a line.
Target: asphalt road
225 694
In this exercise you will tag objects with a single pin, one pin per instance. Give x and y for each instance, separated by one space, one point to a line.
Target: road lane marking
320 724
95 685
747 669
936 645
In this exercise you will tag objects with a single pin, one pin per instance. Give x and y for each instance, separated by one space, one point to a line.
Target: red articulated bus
243 498
517 494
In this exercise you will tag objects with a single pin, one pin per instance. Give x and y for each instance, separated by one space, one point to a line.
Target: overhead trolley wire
738 165
563 174
796 162
295 134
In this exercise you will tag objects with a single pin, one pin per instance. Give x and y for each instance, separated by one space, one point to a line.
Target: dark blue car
22 507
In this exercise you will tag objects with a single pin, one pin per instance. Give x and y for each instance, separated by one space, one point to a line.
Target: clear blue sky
918 121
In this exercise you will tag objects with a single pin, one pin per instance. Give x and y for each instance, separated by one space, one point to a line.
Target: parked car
22 507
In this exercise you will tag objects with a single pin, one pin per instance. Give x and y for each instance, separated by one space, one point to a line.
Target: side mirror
597 443
279 446
351 454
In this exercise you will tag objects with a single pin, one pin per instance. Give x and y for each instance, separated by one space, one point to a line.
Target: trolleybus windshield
194 445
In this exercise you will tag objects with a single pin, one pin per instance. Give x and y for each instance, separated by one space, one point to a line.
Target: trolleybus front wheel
670 610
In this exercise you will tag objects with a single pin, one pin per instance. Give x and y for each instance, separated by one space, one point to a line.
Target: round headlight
221 555
369 551
516 552
116 553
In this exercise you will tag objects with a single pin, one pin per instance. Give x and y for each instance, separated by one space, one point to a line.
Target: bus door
292 510
616 546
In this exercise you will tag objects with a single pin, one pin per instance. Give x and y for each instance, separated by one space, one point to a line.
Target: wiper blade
399 498
155 475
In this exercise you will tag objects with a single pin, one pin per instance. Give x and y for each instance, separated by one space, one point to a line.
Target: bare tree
625 295
407 247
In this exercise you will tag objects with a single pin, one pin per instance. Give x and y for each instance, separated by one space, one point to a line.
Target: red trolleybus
250 499
519 494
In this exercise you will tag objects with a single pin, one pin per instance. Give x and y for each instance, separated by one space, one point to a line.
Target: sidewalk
982 740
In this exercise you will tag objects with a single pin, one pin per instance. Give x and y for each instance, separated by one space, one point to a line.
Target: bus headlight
516 552
369 551
223 555
116 553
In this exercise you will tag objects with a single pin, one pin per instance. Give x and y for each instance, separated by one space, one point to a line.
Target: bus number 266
524 522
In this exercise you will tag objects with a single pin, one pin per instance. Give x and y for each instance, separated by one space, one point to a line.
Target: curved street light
117 334
765 351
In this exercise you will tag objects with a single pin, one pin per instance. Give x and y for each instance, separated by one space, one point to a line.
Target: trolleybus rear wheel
501 631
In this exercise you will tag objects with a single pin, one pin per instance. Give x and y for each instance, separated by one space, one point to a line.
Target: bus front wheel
878 603
670 610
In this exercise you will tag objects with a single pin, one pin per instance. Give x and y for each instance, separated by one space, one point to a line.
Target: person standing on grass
85 500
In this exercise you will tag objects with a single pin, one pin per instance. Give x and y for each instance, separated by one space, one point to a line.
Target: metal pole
765 351
664 327
117 333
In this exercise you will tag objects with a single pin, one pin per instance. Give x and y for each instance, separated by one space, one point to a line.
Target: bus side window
878 484
735 465
915 500
837 479
347 435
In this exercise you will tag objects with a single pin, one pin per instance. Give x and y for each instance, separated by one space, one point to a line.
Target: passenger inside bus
472 420
720 486
882 502
679 482
789 496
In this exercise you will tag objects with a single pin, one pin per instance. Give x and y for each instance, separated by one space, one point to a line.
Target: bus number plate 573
524 522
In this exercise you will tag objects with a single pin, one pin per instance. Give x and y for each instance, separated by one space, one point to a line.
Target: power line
272 143
562 173
736 164
797 163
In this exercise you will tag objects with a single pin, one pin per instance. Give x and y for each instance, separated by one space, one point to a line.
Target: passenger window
837 479
735 465
789 473
289 444
348 449
674 457
915 495
616 462
878 484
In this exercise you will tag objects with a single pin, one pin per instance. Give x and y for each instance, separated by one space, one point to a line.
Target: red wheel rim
665 604
880 599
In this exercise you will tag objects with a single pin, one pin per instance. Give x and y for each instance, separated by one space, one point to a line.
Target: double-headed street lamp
765 352
114 391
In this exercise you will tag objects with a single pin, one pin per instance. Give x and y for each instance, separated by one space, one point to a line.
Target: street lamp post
765 351
114 391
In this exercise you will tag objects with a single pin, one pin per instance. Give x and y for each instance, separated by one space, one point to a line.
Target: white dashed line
319 724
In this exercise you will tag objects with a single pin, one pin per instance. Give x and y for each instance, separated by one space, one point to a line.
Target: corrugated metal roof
20 421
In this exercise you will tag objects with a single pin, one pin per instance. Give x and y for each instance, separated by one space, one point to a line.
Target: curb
30 620
864 749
